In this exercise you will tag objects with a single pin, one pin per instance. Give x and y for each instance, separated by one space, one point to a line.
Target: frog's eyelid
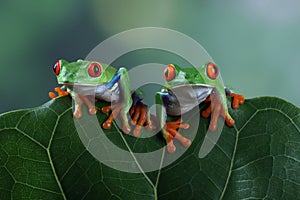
56 67
212 70
95 69
169 72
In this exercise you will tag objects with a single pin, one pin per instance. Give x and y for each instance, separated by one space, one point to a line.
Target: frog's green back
108 73
78 73
194 75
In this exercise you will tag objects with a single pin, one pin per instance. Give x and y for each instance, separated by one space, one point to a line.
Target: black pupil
54 67
214 70
96 69
166 72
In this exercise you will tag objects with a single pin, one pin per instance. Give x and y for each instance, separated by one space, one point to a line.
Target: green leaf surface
42 157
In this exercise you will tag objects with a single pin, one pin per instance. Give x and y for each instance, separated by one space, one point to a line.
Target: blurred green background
256 43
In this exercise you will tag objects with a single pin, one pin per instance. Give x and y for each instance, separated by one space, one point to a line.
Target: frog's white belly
101 92
185 98
104 93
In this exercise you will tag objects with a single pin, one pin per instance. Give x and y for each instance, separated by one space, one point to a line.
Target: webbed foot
237 100
171 131
60 92
140 118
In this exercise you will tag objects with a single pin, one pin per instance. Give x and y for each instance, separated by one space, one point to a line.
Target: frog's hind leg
140 114
141 117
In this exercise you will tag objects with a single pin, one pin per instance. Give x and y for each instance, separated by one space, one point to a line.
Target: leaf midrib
154 186
237 137
49 153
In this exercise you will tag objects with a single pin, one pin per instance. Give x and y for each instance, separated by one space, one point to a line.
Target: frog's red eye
56 68
169 72
95 69
212 70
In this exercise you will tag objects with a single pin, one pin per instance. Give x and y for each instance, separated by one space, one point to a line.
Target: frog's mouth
75 84
84 89
191 86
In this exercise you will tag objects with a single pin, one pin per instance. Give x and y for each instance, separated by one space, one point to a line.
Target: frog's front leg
124 104
115 112
77 113
237 99
87 102
216 109
169 129
219 108
78 101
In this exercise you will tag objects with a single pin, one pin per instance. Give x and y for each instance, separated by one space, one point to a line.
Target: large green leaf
42 157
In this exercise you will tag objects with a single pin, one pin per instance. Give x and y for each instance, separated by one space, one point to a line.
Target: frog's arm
126 97
78 104
124 104
78 100
218 107
169 129
140 112
129 104
237 99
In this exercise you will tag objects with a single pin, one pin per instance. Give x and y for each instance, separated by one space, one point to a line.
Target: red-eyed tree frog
186 88
84 79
